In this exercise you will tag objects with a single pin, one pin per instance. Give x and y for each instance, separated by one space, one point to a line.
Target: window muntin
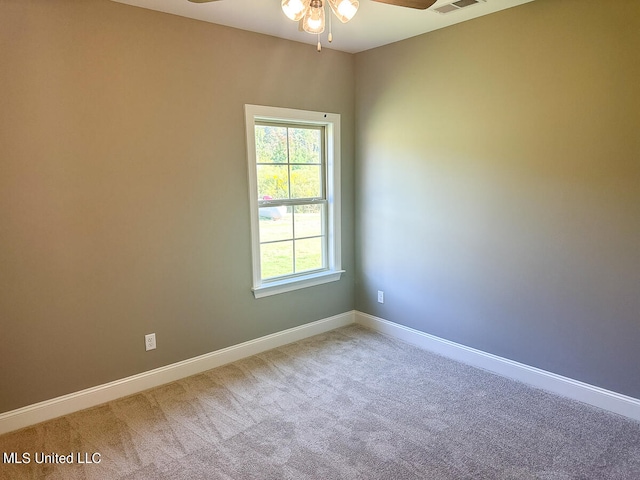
294 194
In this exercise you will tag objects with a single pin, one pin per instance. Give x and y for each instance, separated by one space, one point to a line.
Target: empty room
375 239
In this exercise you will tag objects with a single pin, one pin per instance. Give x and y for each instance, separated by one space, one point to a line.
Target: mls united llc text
57 458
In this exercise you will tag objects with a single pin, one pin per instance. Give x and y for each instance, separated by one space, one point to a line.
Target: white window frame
331 124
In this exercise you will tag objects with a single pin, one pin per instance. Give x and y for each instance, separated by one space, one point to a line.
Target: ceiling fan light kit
312 15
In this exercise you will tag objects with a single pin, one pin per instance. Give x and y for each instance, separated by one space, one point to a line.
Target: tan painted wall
497 177
498 186
123 189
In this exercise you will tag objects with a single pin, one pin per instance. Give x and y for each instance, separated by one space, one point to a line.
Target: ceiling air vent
458 5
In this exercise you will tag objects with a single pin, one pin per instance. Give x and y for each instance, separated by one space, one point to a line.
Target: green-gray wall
123 189
498 186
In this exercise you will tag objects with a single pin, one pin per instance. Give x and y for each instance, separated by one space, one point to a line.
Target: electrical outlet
380 296
150 341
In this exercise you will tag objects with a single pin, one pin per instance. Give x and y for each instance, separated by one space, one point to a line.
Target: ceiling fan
419 4
311 17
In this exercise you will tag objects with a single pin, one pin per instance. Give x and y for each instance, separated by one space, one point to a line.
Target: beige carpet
348 404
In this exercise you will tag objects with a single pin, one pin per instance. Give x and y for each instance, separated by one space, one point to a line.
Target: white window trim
331 122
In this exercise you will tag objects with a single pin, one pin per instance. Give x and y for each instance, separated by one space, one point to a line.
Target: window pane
276 259
305 145
308 220
271 144
273 182
308 254
306 181
275 224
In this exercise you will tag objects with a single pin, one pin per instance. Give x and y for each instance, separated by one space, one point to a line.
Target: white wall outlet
380 296
150 342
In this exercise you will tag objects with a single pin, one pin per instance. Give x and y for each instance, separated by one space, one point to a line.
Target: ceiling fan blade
202 1
419 4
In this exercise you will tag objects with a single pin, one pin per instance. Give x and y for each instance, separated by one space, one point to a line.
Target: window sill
290 284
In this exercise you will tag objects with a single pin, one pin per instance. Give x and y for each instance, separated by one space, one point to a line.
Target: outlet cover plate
150 342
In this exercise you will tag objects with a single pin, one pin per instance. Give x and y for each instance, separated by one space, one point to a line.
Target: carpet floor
347 404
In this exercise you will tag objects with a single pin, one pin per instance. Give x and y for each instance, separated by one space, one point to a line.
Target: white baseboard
567 387
57 407
583 392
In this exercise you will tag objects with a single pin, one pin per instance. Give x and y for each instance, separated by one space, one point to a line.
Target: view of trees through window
291 198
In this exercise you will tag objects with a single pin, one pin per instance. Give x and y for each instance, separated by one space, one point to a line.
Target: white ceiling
374 25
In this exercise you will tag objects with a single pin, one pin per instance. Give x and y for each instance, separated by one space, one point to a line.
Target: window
294 193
